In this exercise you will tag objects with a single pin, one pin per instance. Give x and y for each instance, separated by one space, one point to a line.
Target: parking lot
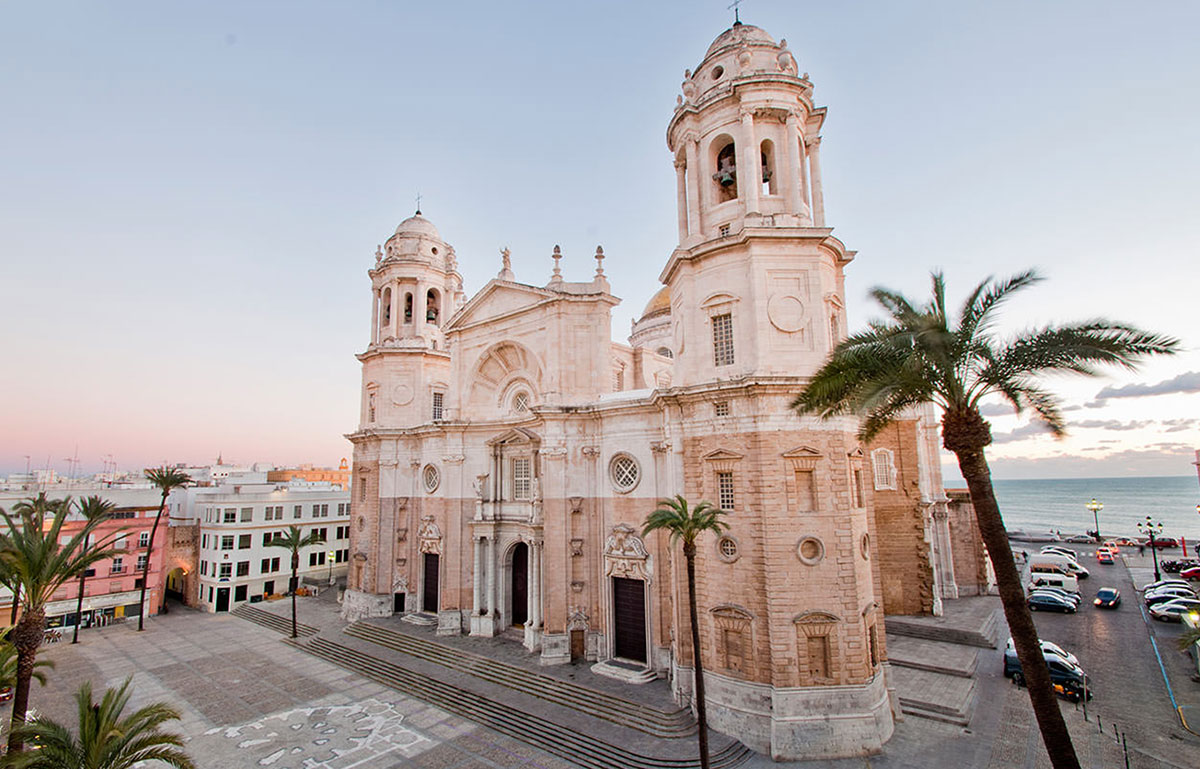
1116 651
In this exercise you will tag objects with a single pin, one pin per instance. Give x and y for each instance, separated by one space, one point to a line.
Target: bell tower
754 256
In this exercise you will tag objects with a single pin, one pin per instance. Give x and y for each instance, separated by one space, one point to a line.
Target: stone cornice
822 236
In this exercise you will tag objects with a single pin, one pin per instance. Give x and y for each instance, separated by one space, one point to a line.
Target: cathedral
509 450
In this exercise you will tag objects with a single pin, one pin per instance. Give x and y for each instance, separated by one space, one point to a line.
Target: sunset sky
191 194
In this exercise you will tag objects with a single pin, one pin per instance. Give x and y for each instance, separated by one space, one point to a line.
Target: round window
625 472
717 72
864 546
432 478
727 549
810 551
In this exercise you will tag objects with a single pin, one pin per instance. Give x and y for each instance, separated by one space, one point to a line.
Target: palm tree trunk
79 609
16 605
26 637
974 467
295 584
689 551
146 569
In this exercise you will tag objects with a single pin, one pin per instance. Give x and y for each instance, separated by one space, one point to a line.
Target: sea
1060 505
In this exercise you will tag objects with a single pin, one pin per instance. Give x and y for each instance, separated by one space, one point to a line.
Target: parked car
1165 582
1161 542
1068 678
1107 598
1173 611
1058 591
1168 593
1079 539
1192 573
1059 550
1042 601
1048 648
1104 557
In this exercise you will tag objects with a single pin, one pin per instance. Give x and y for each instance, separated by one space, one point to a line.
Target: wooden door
629 618
222 599
519 608
578 645
429 594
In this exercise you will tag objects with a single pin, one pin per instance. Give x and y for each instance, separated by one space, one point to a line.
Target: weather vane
734 6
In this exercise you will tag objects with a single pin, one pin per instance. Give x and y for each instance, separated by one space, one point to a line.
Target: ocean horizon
1060 504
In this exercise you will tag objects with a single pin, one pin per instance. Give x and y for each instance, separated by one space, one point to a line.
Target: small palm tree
1190 637
8 664
166 479
90 508
916 356
38 564
293 541
685 523
107 739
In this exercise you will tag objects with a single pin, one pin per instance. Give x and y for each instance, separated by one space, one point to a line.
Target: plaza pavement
251 700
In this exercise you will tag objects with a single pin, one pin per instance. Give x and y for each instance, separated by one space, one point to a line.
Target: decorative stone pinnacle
556 256
506 272
378 254
599 261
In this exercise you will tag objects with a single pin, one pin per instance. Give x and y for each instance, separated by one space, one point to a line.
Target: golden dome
659 303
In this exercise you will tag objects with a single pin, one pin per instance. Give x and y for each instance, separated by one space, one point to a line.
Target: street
1115 650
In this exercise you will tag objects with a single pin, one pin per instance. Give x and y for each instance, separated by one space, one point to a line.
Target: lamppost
1095 507
329 556
1151 529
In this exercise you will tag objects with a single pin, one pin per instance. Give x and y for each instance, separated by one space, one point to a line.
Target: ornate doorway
629 619
519 608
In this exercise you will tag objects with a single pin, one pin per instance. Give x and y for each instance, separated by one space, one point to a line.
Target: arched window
385 314
665 352
885 469
768 167
725 164
408 308
432 308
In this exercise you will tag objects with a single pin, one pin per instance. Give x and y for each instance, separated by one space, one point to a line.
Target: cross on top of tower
419 194
734 6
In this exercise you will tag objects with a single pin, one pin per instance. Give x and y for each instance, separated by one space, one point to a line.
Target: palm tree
38 564
293 540
100 509
8 664
106 738
916 356
685 524
167 479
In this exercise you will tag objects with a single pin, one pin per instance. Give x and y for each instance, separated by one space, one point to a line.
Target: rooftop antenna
72 466
419 194
734 7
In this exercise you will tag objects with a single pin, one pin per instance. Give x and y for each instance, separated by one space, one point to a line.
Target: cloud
1095 404
1184 383
996 410
1110 424
1021 433
1175 460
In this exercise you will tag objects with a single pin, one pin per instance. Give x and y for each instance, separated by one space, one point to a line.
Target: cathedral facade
509 451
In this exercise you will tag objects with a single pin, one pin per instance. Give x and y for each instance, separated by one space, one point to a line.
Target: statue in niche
480 486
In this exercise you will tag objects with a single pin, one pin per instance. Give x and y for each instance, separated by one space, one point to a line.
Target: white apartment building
236 564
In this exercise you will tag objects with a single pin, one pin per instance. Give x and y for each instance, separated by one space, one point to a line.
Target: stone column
796 198
477 601
375 317
681 197
419 309
397 309
818 197
535 609
750 172
490 557
805 195
695 175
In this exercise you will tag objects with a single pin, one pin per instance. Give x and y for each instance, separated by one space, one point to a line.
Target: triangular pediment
802 452
857 453
498 299
517 435
721 455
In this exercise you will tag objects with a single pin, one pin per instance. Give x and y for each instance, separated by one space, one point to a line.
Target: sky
191 194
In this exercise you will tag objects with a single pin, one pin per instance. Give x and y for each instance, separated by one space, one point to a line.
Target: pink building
113 586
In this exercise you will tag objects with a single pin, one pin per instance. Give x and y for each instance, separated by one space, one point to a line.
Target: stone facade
508 452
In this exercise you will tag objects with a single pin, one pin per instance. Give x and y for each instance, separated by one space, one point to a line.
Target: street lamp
330 555
1151 529
1095 507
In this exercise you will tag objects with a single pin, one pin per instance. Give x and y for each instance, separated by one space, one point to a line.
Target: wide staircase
581 739
273 621
671 724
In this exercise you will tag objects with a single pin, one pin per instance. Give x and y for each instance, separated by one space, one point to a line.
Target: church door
520 584
429 594
629 617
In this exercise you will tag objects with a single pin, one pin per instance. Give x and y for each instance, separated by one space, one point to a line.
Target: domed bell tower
415 288
754 253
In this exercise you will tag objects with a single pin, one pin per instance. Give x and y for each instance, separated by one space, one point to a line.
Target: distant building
335 477
235 522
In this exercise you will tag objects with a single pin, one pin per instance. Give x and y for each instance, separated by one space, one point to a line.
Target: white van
1056 562
1052 579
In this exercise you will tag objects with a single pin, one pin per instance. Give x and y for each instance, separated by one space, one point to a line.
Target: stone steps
273 621
577 747
934 656
929 628
936 696
676 723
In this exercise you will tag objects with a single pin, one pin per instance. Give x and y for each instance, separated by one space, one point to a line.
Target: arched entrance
519 585
176 585
629 618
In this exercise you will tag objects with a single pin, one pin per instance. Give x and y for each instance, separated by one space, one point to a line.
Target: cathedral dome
418 226
737 34
659 303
